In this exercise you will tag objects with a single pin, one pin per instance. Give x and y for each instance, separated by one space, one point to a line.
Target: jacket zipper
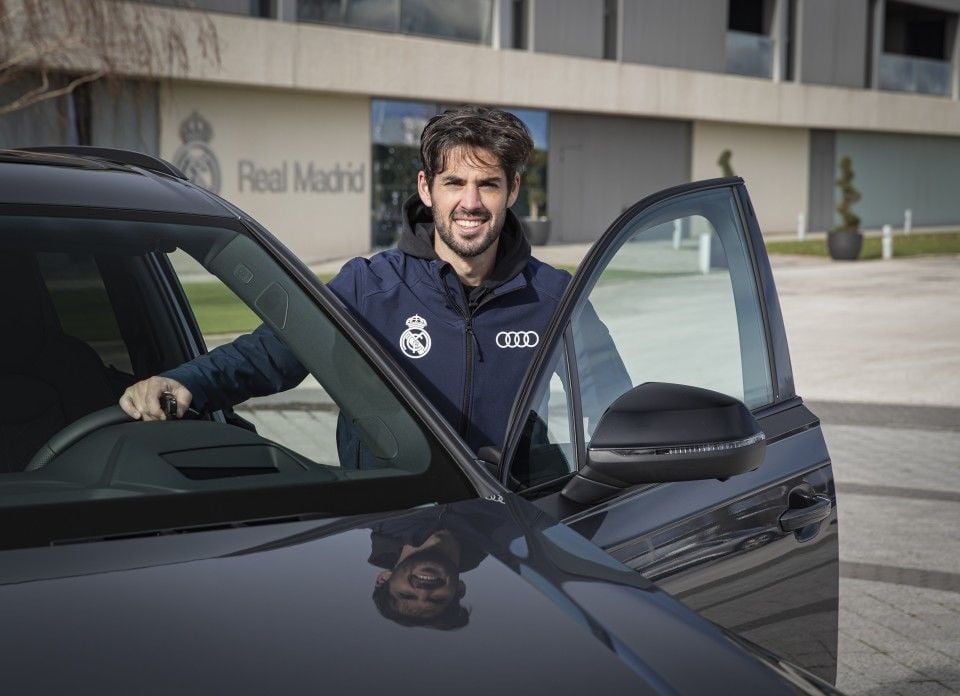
471 338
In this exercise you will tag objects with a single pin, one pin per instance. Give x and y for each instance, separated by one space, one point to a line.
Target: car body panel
251 610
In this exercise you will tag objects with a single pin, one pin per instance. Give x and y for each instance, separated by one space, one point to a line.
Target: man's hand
142 400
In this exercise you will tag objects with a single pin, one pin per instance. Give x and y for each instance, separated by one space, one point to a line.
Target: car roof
101 178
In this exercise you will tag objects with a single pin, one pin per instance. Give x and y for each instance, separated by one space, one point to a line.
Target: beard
473 248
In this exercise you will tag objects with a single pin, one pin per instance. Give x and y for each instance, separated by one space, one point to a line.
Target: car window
305 418
547 447
342 442
82 305
674 299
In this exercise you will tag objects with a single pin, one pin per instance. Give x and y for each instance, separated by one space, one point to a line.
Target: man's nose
471 198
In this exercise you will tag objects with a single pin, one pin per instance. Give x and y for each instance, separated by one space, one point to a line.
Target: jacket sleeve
251 365
603 376
254 364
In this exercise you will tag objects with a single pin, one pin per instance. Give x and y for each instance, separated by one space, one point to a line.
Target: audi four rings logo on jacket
517 339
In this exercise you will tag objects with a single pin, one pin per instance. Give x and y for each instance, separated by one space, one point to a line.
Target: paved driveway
876 354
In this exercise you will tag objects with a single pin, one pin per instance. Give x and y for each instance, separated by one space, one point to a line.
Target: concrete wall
570 27
832 42
675 33
299 163
895 172
772 161
599 166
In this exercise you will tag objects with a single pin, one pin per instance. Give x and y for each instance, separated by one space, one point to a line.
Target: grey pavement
875 347
876 354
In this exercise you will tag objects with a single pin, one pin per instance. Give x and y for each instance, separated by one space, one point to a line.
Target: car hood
289 608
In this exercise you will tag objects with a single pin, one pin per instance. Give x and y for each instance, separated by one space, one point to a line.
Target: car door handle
813 508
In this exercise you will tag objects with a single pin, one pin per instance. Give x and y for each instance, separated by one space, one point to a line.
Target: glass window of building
916 49
463 20
396 128
749 42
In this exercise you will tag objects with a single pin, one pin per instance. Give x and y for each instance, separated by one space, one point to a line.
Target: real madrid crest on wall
195 158
415 341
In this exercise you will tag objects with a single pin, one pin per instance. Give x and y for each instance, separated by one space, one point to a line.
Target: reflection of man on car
423 556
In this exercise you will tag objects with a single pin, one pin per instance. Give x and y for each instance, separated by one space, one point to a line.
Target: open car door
659 419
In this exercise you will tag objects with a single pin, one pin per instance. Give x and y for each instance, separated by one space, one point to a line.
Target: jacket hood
416 239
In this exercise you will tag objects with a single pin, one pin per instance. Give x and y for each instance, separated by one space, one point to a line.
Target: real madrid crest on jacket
466 348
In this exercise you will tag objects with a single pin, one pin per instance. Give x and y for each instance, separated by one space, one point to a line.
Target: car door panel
718 545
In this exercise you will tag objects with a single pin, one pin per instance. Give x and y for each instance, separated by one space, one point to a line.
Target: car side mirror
659 432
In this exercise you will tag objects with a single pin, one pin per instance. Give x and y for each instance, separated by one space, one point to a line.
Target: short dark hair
499 132
451 618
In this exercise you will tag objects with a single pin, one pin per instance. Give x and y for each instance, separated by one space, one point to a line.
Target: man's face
469 199
424 584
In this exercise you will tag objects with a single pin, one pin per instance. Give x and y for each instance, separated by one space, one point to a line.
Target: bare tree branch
44 92
88 40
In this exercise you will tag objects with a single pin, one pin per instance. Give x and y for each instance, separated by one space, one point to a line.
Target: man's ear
514 190
384 577
423 189
461 590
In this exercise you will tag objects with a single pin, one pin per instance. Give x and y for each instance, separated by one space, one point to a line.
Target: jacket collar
416 239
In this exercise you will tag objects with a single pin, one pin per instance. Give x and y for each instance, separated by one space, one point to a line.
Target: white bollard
677 231
704 252
907 221
887 242
801 227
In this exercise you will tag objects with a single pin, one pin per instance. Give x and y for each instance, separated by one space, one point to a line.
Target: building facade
310 118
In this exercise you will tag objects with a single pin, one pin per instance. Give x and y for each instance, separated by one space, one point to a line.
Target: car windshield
92 305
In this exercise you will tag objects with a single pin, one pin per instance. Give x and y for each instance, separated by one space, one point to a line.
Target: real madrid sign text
300 177
196 158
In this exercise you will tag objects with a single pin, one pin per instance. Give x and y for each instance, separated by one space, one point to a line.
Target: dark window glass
747 16
610 29
519 10
82 305
915 31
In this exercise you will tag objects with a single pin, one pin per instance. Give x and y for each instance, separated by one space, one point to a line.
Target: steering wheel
76 431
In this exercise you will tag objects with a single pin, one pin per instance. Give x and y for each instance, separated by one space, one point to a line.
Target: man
460 302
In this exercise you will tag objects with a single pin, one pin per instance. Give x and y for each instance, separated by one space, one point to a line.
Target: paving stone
919 688
851 680
881 668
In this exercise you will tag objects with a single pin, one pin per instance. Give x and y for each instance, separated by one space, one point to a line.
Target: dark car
230 551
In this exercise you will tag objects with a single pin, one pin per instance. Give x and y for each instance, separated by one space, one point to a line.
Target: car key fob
168 402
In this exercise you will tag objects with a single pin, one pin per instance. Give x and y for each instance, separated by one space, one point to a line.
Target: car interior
91 306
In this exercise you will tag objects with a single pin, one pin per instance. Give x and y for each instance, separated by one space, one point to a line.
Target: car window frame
560 325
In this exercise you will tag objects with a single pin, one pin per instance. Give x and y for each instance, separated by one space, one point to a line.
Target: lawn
903 245
219 311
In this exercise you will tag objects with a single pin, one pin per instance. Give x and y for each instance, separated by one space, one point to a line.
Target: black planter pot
537 231
844 245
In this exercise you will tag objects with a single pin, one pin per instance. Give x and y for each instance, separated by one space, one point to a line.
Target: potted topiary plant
845 240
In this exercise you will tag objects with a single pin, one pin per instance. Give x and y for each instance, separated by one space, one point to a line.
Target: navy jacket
466 350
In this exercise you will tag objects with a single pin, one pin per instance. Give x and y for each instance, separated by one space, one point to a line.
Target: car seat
47 378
